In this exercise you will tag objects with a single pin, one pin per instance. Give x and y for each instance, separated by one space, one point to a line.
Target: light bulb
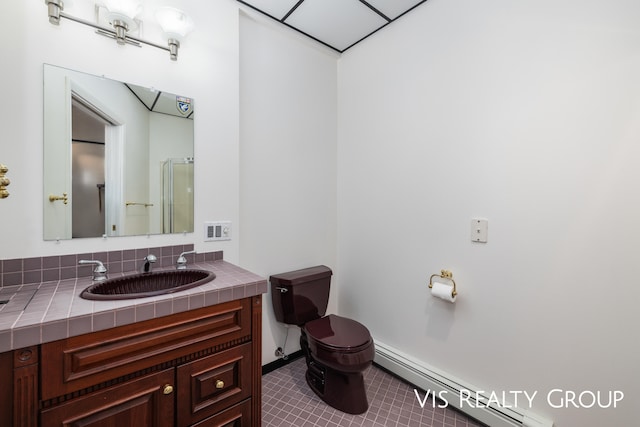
174 22
123 10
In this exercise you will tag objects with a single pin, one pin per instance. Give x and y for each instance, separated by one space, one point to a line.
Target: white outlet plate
479 230
217 231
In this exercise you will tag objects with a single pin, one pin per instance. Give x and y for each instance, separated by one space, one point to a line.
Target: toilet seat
338 334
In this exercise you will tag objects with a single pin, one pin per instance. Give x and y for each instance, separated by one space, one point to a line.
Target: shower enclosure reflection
88 189
177 195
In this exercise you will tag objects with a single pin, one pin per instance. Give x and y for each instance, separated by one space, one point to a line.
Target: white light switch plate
217 230
479 230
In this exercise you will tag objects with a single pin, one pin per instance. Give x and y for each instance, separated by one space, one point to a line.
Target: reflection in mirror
177 207
118 158
87 169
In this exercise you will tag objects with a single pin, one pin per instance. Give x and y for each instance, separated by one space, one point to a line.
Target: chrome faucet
181 263
148 260
100 272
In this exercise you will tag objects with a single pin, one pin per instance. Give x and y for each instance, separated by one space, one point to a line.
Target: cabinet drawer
79 362
236 416
141 402
211 384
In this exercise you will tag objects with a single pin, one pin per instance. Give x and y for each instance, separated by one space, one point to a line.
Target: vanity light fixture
122 15
176 26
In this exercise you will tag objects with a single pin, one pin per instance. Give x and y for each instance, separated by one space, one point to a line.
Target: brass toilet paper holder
445 274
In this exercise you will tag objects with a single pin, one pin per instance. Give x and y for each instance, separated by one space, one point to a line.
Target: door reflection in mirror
87 169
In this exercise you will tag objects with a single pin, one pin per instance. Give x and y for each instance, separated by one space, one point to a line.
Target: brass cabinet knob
219 384
168 389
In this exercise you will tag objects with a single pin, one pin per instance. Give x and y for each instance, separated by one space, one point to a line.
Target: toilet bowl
340 343
337 349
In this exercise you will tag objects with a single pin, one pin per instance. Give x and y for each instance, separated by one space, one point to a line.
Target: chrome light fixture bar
175 23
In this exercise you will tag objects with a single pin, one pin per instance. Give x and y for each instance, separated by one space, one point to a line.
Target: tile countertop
56 311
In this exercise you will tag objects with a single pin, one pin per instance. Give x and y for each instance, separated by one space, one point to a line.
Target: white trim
86 98
429 378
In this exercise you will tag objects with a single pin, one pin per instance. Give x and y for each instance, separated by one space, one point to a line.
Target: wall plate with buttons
479 230
217 230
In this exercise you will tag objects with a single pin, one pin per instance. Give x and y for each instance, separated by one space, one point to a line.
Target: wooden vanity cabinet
197 368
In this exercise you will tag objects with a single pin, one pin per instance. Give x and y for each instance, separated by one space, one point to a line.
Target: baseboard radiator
441 384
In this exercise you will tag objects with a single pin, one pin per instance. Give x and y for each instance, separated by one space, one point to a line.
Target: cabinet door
144 402
212 384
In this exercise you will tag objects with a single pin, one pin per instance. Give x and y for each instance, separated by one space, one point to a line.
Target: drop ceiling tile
276 8
394 8
338 23
145 95
168 104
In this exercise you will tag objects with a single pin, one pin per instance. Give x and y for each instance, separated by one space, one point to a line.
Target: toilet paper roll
443 291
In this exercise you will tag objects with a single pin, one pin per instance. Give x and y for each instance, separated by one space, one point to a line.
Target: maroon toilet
337 349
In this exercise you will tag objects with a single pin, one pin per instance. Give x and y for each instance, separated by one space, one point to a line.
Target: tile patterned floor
288 401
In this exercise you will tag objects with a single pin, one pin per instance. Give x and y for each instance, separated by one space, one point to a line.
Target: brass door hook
64 198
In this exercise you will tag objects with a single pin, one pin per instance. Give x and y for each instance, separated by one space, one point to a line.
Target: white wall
207 70
287 159
526 113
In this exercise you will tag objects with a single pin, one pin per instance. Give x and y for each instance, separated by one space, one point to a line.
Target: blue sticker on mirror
184 105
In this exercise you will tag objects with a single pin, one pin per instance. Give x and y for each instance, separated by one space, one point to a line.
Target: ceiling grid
337 24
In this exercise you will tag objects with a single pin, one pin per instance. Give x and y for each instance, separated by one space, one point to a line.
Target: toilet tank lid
304 275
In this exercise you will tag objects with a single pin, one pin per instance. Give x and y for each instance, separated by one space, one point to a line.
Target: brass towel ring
444 274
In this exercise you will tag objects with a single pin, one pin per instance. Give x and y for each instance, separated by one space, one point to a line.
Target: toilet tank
302 295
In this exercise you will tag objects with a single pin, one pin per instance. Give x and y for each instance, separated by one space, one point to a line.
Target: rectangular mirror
118 158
